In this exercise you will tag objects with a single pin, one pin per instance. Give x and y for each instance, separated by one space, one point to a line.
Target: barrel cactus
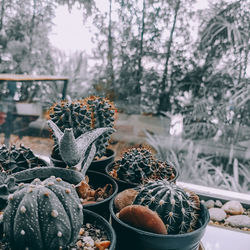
43 215
138 165
15 159
82 116
178 209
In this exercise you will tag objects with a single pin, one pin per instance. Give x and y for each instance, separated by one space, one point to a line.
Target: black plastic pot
100 165
97 180
122 185
132 238
96 219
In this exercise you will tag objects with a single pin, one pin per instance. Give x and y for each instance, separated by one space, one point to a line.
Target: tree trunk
110 56
164 94
140 52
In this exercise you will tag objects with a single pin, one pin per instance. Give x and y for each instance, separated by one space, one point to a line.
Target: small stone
233 207
218 203
102 245
209 204
125 198
239 221
217 214
89 242
82 231
79 243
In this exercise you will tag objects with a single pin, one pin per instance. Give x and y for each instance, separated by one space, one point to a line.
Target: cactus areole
43 215
178 209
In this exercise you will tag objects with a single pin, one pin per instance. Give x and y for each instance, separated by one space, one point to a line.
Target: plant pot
97 180
122 185
94 218
129 237
100 165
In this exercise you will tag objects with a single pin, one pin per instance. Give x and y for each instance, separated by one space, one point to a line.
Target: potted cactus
158 215
83 116
137 165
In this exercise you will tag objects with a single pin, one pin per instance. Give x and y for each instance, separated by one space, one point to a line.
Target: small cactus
178 209
43 215
77 153
138 165
7 186
83 116
14 159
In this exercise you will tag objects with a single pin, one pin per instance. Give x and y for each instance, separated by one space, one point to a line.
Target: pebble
217 214
218 203
239 221
233 208
209 204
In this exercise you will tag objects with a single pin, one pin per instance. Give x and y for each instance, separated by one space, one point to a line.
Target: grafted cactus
43 215
138 165
178 209
14 159
77 153
83 116
7 186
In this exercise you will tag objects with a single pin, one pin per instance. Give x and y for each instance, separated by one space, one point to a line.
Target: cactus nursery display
82 116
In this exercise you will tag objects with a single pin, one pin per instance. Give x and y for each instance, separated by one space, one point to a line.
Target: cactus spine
43 215
177 208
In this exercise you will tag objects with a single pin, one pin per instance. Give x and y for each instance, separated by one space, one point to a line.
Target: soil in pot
97 196
152 241
99 165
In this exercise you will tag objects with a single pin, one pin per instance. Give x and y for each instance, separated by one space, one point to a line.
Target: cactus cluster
43 215
138 165
178 209
15 159
82 116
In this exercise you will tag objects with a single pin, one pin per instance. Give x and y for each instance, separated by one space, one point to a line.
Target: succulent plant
83 116
138 165
7 186
178 209
14 159
77 153
43 215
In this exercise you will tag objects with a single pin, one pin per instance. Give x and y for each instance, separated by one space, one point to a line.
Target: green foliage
178 209
43 215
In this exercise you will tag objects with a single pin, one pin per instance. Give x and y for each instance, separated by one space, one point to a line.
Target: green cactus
178 209
135 165
77 153
7 186
82 116
14 159
43 215
138 165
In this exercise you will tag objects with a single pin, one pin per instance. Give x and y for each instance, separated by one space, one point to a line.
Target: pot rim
112 154
107 224
113 183
142 232
109 167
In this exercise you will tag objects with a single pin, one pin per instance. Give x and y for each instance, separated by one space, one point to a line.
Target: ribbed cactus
7 186
178 209
85 115
135 165
14 159
138 165
43 215
79 152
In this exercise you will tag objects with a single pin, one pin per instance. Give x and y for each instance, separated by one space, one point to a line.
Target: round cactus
163 170
136 165
14 159
82 116
178 209
43 215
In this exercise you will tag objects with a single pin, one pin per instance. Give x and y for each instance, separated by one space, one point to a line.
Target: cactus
77 153
135 165
85 115
178 209
14 159
138 165
43 215
7 186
